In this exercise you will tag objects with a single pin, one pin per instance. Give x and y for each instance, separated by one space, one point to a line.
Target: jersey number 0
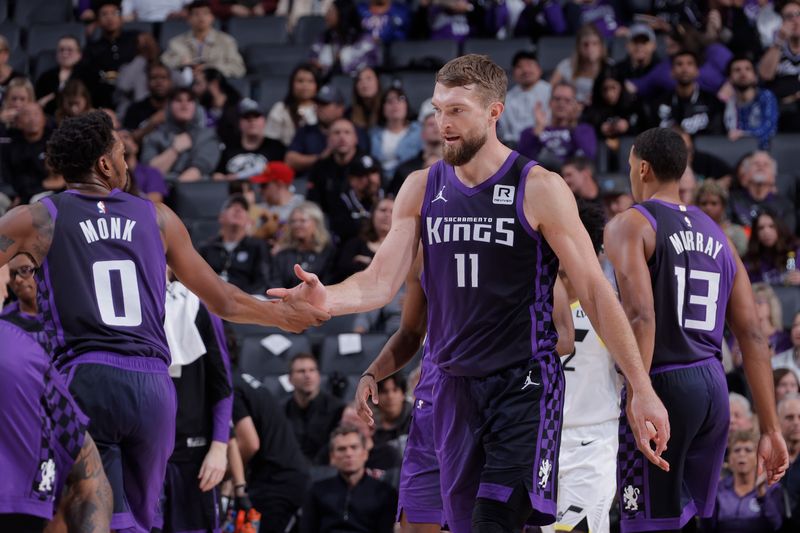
129 288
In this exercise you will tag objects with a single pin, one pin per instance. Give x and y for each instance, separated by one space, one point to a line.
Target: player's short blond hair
490 81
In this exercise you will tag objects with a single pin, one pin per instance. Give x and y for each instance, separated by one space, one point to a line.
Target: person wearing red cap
277 192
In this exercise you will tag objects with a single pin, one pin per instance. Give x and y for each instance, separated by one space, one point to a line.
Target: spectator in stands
360 195
297 109
24 311
385 20
7 72
312 413
431 151
689 106
587 61
578 172
727 23
641 57
112 49
706 165
759 192
203 46
393 415
52 82
154 10
133 79
779 67
73 100
200 371
744 501
328 176
771 251
790 358
785 379
344 47
556 140
529 90
307 243
789 416
366 106
248 155
540 18
396 138
294 9
458 20
225 9
357 253
277 193
182 148
751 111
770 316
278 474
712 199
614 111
220 101
602 14
237 257
351 500
18 94
24 158
146 115
687 186
741 413
313 143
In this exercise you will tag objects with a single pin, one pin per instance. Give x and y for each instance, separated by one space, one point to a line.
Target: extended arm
222 298
551 209
743 321
247 436
562 318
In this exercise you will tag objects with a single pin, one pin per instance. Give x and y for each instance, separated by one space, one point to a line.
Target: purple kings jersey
42 427
102 285
488 276
692 271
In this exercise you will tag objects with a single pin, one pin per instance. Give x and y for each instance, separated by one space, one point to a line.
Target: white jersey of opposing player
592 383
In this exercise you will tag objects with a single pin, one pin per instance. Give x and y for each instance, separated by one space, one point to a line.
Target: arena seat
729 151
268 90
332 360
199 200
13 35
254 31
784 148
3 10
258 361
308 29
500 51
30 12
419 55
551 50
201 230
418 86
276 60
43 37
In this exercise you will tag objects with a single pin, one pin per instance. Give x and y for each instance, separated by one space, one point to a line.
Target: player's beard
463 152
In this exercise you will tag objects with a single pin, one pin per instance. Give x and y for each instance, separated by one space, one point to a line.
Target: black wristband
365 374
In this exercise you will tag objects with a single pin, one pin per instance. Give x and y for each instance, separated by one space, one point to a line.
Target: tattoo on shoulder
5 242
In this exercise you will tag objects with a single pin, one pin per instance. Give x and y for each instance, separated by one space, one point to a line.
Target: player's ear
104 167
495 110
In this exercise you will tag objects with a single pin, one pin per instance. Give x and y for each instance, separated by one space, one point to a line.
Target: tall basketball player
494 226
101 256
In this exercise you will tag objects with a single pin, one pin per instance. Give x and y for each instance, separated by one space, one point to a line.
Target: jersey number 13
708 300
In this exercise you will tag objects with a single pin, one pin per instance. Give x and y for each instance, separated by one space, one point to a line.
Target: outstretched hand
304 304
649 420
773 458
367 389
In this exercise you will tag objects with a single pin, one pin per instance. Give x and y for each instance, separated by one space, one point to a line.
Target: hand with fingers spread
310 290
650 423
214 465
367 389
773 458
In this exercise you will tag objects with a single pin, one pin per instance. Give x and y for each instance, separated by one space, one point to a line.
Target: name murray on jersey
479 229
104 229
694 241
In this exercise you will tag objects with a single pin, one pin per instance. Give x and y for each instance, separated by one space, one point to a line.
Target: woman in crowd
307 243
785 382
357 253
396 138
771 252
18 94
745 503
73 100
366 106
712 199
587 61
614 111
790 358
770 316
297 109
52 82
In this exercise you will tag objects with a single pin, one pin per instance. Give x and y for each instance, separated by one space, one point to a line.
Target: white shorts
587 477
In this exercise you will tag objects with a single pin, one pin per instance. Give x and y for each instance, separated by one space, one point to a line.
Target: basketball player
679 281
587 464
45 452
494 226
419 507
102 257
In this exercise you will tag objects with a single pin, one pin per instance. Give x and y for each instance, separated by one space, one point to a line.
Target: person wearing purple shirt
603 14
562 137
385 20
744 503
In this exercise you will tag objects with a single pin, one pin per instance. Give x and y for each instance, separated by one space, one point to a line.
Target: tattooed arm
88 503
26 229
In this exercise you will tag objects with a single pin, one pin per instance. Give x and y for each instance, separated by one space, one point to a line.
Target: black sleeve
389 504
241 403
260 273
327 264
